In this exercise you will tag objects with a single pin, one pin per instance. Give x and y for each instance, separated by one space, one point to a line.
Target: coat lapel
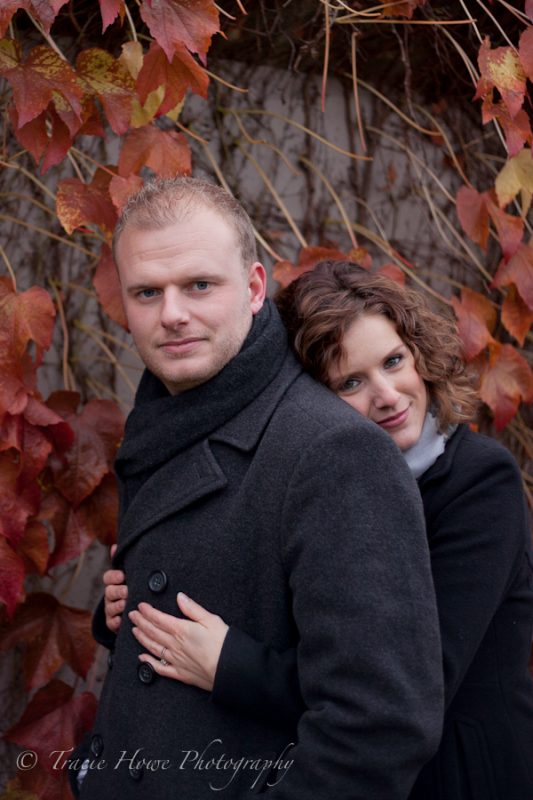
184 479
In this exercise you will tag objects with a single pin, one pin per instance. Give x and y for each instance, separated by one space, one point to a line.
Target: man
255 491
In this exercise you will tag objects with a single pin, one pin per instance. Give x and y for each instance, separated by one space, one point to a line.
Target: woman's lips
395 421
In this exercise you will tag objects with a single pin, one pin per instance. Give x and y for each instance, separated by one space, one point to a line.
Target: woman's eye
393 361
350 385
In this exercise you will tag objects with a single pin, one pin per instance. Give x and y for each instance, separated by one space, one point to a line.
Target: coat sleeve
369 658
258 681
478 540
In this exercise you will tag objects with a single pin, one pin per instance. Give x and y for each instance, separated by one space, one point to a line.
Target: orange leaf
181 74
167 153
110 10
510 229
402 8
55 634
12 574
506 380
518 270
517 129
44 10
501 69
476 318
98 431
7 9
361 256
80 203
516 316
285 271
110 81
473 215
107 287
121 188
54 720
393 271
44 77
175 23
33 549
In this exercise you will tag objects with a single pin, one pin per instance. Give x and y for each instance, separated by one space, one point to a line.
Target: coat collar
195 473
444 462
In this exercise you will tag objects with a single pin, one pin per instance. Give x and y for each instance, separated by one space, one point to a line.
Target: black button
97 745
136 772
146 672
157 582
110 660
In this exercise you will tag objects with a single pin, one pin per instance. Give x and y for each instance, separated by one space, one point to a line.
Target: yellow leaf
142 115
516 176
132 58
175 112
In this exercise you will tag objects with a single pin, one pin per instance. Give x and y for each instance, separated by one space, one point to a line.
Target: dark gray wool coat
299 523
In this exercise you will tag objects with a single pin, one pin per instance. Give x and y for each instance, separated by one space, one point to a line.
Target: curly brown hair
319 306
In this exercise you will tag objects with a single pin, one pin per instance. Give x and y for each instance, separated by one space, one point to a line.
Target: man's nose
174 309
385 394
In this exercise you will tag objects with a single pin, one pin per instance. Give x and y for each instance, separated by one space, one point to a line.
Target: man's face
188 299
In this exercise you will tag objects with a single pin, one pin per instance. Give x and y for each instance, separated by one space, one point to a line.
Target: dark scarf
161 425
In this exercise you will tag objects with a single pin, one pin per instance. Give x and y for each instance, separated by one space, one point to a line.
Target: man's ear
257 282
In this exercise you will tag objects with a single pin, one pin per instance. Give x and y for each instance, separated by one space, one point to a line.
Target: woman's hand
186 650
115 595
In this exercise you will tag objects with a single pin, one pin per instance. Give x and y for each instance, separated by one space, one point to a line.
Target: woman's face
377 376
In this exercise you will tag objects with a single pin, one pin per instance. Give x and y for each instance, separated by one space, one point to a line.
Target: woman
386 354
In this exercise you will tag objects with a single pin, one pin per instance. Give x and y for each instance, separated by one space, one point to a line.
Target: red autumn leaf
54 634
529 12
75 528
181 22
181 74
506 381
165 152
32 445
510 229
285 272
107 287
18 500
473 215
46 137
12 574
393 271
42 78
501 69
516 316
54 720
476 318
121 188
518 270
110 81
33 549
46 11
80 203
7 9
402 8
37 784
525 51
98 431
517 129
57 430
110 10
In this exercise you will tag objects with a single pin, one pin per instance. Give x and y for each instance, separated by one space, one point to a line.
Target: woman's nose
385 394
174 311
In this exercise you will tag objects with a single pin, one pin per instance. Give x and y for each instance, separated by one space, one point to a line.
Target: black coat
478 532
299 523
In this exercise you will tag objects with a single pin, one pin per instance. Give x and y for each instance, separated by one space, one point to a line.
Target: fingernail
183 596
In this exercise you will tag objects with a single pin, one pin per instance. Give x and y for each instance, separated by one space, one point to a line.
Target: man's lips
180 345
395 420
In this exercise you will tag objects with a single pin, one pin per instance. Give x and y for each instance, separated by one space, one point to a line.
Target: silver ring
162 657
163 662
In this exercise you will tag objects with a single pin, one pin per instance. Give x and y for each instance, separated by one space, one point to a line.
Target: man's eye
202 286
147 293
